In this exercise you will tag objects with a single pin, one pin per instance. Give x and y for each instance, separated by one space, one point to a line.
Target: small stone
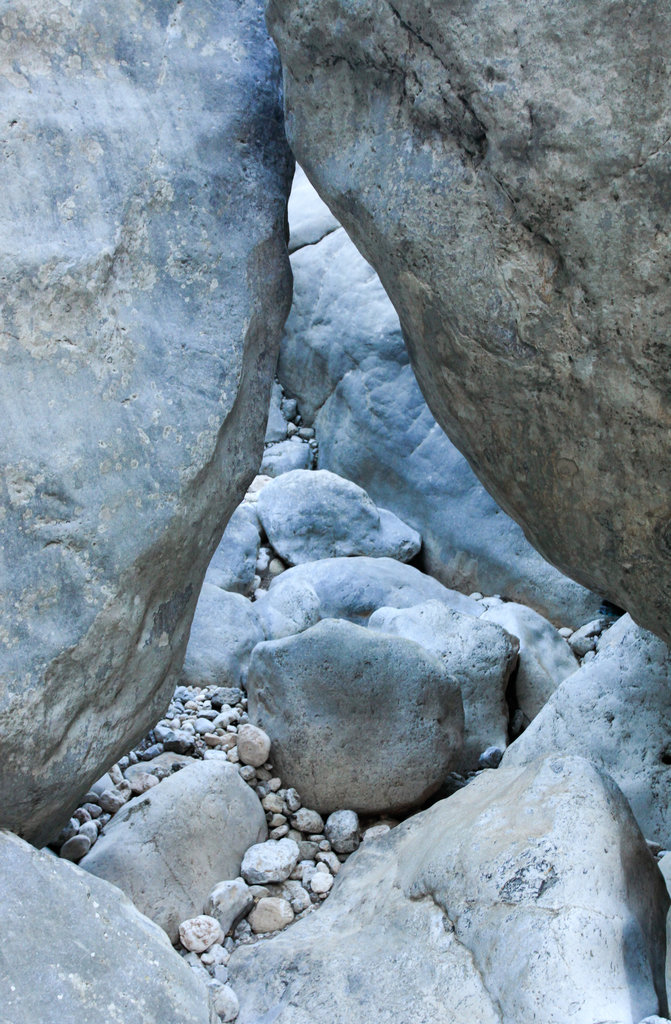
565 631
324 845
90 830
253 745
292 800
226 1003
276 820
76 847
81 815
280 832
331 861
272 861
94 809
216 954
228 903
307 850
308 821
273 803
112 800
151 752
276 566
476 596
259 891
321 881
271 914
219 972
375 832
248 773
490 758
274 785
199 933
342 831
115 774
141 782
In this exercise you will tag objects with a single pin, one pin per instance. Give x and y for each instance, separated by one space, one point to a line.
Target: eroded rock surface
505 168
145 285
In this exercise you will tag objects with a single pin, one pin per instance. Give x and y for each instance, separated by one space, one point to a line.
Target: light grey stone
99 958
224 632
511 203
545 659
272 861
342 831
253 746
528 895
168 848
309 217
343 356
313 515
144 295
229 902
199 933
271 914
356 718
478 655
617 711
286 456
226 1003
348 588
233 564
276 429
308 821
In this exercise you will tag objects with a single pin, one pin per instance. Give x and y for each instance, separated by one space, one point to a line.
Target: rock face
343 357
225 629
509 182
168 848
545 658
144 296
348 588
95 956
312 515
356 719
478 655
233 564
617 710
529 895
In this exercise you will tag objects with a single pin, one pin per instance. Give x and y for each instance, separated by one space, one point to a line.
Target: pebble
112 800
308 821
76 847
292 800
216 954
375 832
95 810
273 802
490 758
272 861
199 933
321 882
140 782
67 832
276 566
342 831
226 1003
253 745
331 861
90 830
248 773
228 903
271 914
280 832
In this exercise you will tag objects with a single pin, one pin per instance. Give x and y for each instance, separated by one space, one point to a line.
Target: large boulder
348 588
616 710
145 282
508 178
357 719
342 356
75 949
478 655
225 630
233 564
530 895
168 848
312 515
545 659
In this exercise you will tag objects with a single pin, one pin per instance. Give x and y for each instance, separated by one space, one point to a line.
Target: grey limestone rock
233 564
168 848
308 516
145 283
617 710
94 956
504 165
342 355
357 719
224 632
309 217
528 895
478 655
286 456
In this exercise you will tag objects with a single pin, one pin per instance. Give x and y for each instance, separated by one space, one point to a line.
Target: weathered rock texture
529 895
145 282
75 949
505 167
342 356
168 848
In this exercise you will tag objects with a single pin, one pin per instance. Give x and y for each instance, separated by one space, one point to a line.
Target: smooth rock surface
342 355
286 456
94 957
530 895
168 848
272 861
145 285
545 659
616 710
228 902
505 167
308 516
348 588
357 719
233 564
224 632
478 655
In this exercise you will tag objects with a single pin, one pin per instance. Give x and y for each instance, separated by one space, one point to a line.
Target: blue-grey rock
285 456
145 285
233 564
225 629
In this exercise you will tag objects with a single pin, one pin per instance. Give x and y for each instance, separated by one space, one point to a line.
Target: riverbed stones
312 515
145 292
545 659
229 902
356 718
94 957
168 848
545 858
271 914
479 655
342 831
617 710
272 861
512 205
199 933
253 745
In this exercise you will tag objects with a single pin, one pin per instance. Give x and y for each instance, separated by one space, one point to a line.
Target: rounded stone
226 1003
253 745
199 933
342 831
76 847
272 861
271 914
